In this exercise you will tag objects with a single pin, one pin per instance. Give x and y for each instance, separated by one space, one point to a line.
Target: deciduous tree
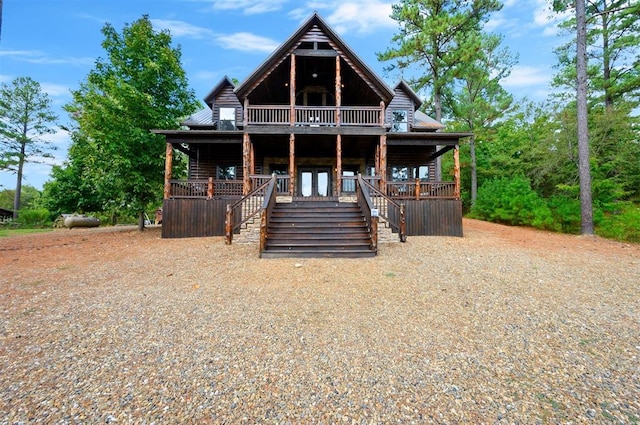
138 87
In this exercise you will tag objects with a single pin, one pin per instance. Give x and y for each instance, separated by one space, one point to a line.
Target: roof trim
285 48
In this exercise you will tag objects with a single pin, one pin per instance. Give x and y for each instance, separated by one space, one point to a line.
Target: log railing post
168 165
383 164
456 171
403 225
417 189
210 189
228 225
374 233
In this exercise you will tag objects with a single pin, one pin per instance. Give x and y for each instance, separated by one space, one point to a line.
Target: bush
622 226
512 201
37 217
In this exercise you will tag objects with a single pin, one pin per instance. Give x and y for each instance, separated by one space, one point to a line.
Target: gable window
227 119
399 120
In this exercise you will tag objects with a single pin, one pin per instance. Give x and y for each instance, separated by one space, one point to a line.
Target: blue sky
56 42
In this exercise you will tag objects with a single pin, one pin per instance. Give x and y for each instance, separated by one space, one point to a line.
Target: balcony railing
315 116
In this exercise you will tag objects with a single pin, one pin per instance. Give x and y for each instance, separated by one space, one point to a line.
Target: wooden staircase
313 229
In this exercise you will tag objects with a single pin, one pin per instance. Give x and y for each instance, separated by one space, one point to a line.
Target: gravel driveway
504 325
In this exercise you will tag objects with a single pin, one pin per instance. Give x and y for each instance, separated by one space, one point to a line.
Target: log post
382 113
417 189
338 164
374 234
245 112
246 164
210 188
383 163
263 230
338 92
292 91
228 225
403 225
292 163
456 171
168 165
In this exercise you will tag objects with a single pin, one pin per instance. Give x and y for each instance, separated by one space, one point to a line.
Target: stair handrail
390 210
368 209
268 204
247 207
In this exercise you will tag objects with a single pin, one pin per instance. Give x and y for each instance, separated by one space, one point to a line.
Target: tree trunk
141 221
474 170
437 104
18 194
584 172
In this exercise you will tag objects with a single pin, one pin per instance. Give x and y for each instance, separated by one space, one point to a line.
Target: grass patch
4 233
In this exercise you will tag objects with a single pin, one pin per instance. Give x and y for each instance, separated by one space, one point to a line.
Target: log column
168 165
338 164
292 91
338 92
383 163
292 163
246 164
456 171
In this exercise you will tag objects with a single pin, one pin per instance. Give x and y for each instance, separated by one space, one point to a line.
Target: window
399 120
227 119
399 174
227 172
422 173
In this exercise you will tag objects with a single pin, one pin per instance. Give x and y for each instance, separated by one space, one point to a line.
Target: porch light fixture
314 75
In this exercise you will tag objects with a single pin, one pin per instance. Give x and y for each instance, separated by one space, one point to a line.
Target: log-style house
314 155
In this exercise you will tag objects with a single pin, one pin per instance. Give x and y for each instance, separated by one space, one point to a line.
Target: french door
314 182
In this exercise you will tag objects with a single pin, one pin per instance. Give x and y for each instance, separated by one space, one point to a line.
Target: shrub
622 226
36 217
512 201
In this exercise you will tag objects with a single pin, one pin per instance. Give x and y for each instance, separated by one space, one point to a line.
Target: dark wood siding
226 98
187 218
205 159
410 156
434 217
401 101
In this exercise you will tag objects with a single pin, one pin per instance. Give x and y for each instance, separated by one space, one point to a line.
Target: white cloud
249 7
182 29
41 58
55 90
527 76
246 42
361 16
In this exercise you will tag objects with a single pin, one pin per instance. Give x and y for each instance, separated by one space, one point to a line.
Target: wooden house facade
311 142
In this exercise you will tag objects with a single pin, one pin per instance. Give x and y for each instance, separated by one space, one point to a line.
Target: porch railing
282 182
247 207
421 190
200 188
368 209
388 208
314 116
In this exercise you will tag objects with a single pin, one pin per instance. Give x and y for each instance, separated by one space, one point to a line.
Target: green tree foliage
434 37
25 116
138 87
478 100
512 201
613 36
30 197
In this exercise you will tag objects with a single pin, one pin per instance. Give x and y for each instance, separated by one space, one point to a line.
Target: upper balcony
316 116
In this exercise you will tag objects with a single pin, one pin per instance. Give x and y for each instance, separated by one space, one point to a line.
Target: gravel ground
502 326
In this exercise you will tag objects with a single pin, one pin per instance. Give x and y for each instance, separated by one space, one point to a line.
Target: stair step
318 229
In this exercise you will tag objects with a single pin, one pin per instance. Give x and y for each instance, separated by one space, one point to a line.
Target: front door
314 182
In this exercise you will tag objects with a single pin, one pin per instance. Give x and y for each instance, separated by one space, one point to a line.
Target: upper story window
227 119
399 120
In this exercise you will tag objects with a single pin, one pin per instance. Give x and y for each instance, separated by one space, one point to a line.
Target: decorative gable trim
314 29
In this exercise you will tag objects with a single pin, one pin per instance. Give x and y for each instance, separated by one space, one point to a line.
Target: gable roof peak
285 48
225 82
403 85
